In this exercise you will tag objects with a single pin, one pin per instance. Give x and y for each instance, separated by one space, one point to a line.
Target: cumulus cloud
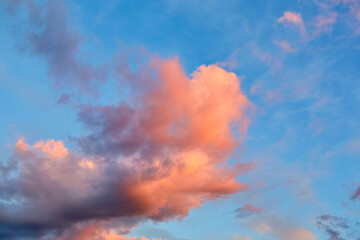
155 158
189 113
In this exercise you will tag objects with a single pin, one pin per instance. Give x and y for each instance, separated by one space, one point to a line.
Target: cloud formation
156 158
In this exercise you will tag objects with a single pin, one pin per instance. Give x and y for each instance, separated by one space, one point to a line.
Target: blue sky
66 67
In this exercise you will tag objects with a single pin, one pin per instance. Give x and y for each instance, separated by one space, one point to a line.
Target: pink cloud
267 58
286 46
247 210
96 232
157 158
324 22
52 148
294 19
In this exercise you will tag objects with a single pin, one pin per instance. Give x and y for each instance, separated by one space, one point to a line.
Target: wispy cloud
53 38
293 19
286 46
356 194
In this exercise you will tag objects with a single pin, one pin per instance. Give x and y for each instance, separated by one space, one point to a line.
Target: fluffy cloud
156 158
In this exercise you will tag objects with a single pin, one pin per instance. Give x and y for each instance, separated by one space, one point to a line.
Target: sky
180 120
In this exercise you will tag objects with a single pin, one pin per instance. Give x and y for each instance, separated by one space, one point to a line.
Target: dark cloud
246 211
356 194
338 228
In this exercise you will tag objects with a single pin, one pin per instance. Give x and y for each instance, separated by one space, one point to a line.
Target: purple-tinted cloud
356 194
246 211
338 228
157 158
52 38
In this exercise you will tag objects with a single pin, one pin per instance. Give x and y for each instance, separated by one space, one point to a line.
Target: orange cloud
190 181
97 231
172 140
52 148
156 158
113 236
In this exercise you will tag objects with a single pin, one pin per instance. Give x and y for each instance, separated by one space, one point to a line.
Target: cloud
336 227
112 236
291 17
52 38
247 210
295 19
285 46
156 158
284 230
231 62
63 99
324 22
197 113
336 8
356 194
95 232
267 58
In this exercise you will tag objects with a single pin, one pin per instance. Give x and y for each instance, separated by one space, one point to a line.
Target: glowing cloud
157 159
